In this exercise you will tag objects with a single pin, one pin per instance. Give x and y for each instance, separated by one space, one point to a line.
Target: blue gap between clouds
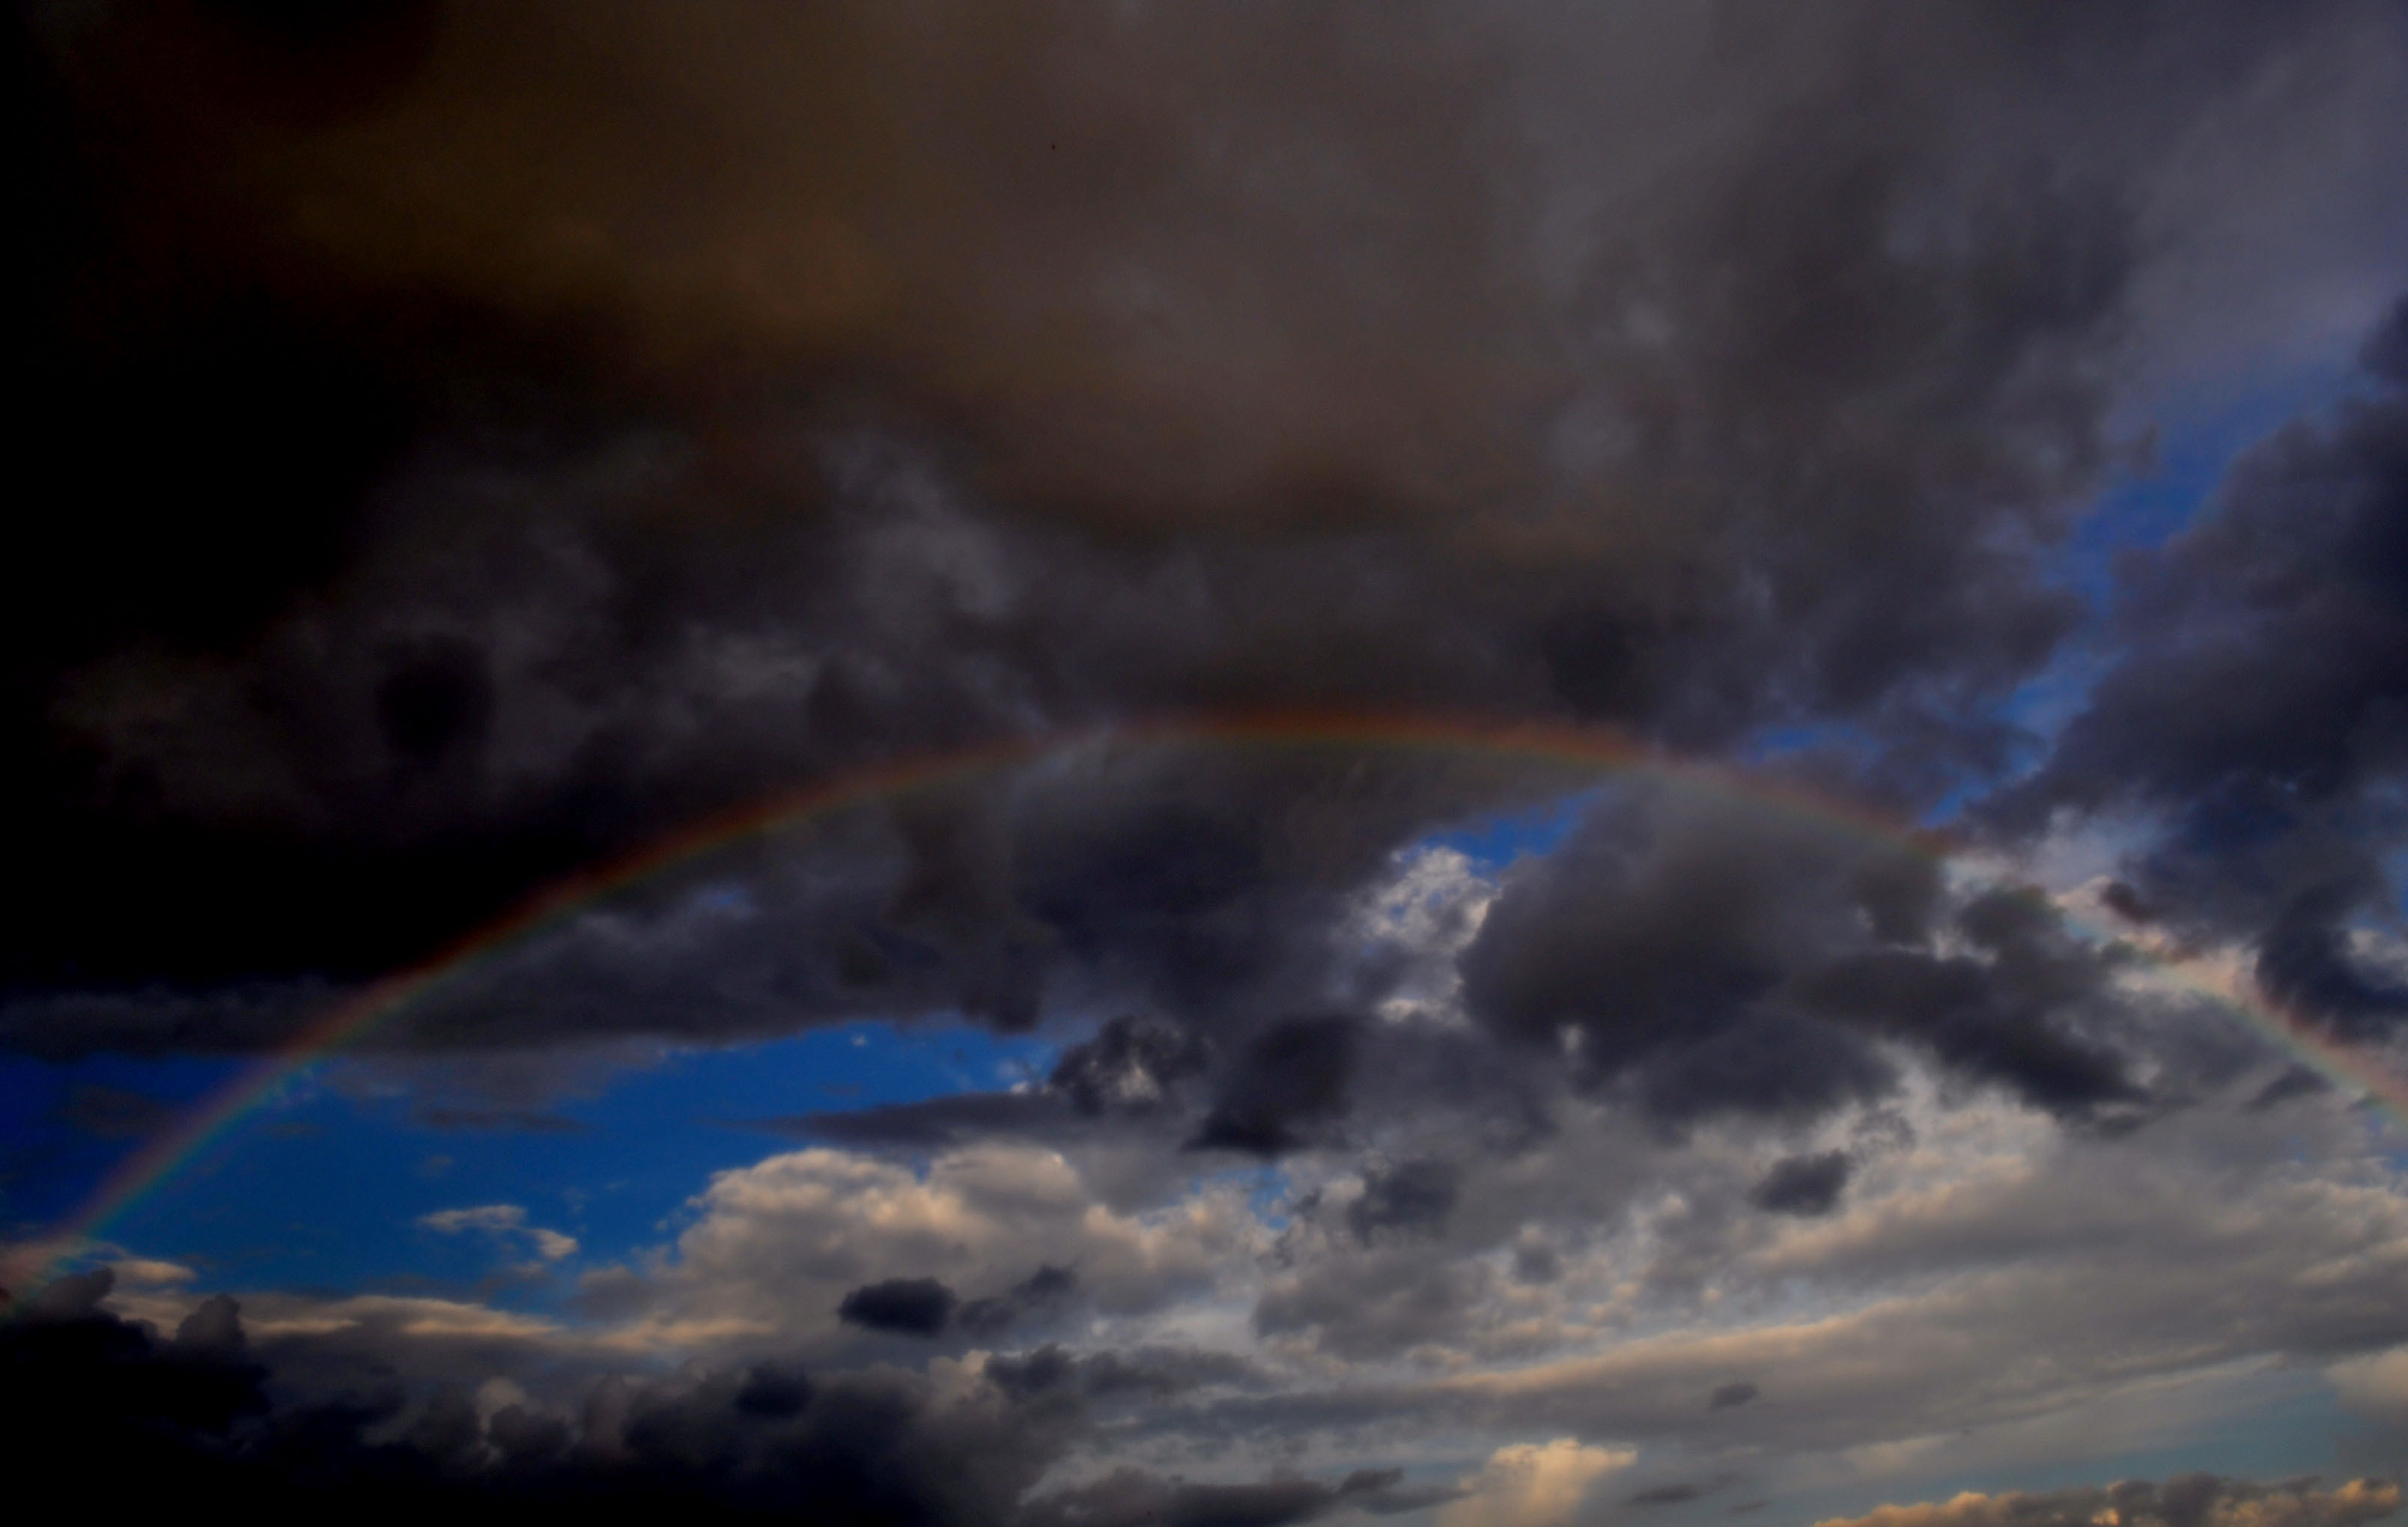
322 1187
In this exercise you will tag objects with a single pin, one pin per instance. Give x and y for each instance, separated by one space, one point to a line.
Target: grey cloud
2252 708
2295 1081
1803 1185
1040 1293
1289 1078
214 1328
1684 421
195 1421
1674 1494
1732 1396
1374 1308
1130 1064
1733 960
916 1307
2191 1500
2386 353
1410 1197
1146 1374
774 1391
1132 1498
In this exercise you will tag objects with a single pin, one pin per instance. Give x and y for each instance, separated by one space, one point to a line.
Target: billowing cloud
2250 712
634 492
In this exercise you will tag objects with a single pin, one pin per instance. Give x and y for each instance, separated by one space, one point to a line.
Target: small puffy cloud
1533 1484
494 1217
552 1245
501 1219
915 1307
150 1272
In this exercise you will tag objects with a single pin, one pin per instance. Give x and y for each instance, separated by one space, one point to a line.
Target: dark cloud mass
1292 1075
626 491
1515 642
916 1307
1802 1185
189 1423
2256 708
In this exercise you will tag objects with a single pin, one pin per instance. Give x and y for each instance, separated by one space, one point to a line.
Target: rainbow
1579 749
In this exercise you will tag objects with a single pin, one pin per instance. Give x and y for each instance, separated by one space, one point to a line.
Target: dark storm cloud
925 1307
1802 1185
1410 1197
194 1422
1722 957
197 1421
2295 1081
1043 1292
1291 1078
2011 1015
2255 709
916 1307
608 418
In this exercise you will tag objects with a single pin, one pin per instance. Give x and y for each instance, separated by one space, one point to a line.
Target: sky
1127 764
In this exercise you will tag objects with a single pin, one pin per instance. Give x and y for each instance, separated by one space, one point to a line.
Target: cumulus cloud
192 1421
985 1239
1533 1484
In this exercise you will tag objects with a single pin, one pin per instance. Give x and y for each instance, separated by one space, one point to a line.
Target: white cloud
1410 929
502 1220
491 1217
1533 1484
552 1245
776 1245
149 1272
